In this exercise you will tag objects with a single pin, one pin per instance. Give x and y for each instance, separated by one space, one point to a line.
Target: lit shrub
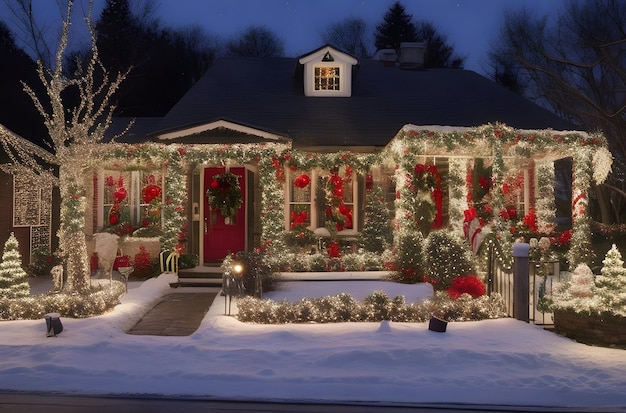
375 307
445 258
352 262
408 265
98 301
318 262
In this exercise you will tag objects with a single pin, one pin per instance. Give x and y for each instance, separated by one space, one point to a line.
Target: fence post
521 290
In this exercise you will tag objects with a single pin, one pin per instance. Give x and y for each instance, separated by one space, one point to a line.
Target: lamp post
235 276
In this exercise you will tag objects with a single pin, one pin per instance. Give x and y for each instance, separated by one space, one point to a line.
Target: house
307 138
25 209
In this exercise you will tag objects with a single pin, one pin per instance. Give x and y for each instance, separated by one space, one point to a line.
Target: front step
200 276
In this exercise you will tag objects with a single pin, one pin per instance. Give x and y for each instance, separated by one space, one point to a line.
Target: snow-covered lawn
502 362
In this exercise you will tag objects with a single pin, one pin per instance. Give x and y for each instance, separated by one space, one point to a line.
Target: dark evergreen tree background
397 27
164 62
17 111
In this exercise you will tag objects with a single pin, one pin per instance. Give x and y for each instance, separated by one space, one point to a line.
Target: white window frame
313 203
134 196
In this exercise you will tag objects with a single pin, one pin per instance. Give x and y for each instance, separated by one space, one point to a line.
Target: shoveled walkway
177 314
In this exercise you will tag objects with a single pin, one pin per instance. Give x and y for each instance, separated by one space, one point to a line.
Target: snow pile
495 362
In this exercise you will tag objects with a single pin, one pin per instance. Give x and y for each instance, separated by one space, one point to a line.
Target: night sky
470 25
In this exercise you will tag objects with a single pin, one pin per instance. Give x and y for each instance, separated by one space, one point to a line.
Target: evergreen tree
395 29
610 285
445 258
13 278
409 265
377 232
439 52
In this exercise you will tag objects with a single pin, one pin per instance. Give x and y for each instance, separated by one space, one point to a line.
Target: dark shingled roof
267 94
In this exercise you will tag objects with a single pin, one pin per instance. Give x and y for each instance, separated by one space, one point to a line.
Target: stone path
178 314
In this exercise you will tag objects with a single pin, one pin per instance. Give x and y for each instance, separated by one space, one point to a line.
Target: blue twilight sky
470 25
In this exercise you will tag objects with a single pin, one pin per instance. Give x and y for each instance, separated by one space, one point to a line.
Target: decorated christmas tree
377 232
610 285
13 278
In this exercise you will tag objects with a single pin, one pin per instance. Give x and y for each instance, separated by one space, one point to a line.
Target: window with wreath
129 202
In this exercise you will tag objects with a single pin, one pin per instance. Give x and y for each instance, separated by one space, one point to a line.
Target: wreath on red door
224 194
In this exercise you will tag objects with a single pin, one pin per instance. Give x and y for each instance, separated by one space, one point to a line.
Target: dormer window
327 78
328 73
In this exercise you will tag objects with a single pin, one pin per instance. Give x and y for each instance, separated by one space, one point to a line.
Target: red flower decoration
119 195
483 182
467 284
302 181
530 220
150 192
333 249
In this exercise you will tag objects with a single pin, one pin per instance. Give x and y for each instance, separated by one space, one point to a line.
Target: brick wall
604 330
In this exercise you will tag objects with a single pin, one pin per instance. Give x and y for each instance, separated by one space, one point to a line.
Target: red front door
221 235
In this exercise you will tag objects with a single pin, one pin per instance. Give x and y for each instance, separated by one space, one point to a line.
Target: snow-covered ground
500 362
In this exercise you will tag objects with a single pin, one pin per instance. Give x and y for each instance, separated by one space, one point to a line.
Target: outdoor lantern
237 269
437 324
53 324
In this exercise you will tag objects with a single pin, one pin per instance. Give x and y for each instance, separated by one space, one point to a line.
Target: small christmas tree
13 278
377 234
610 285
408 264
582 282
445 258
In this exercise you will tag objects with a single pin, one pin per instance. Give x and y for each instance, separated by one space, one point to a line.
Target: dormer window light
327 78
328 73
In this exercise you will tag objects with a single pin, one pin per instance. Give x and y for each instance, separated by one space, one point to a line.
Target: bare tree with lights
74 131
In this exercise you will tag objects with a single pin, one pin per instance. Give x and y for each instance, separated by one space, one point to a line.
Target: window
129 199
319 198
327 78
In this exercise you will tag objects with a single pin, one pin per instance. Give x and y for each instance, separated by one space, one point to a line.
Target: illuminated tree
74 130
13 278
377 234
610 285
